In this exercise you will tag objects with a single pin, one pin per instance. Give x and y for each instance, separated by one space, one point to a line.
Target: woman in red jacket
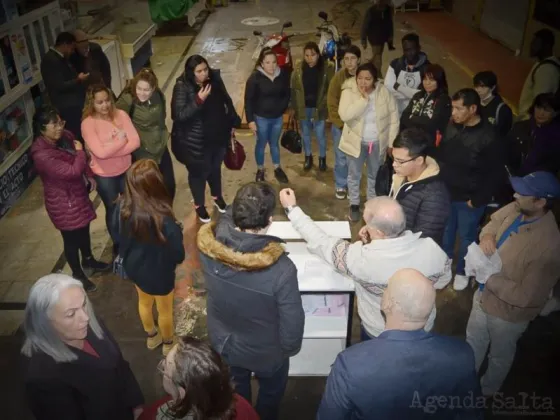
199 386
62 165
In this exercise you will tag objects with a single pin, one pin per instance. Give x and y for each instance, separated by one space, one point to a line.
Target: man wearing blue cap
527 238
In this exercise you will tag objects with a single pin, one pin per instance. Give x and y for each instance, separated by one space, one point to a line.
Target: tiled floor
30 246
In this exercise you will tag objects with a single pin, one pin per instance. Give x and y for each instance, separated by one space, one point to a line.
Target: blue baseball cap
539 184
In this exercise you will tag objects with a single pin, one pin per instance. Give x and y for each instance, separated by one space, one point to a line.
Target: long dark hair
43 117
314 47
201 372
146 201
370 68
190 65
437 73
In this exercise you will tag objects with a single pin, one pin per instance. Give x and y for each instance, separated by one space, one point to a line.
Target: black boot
260 175
94 266
308 164
281 175
322 164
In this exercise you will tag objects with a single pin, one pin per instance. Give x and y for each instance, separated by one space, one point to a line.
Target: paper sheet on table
317 268
478 265
325 305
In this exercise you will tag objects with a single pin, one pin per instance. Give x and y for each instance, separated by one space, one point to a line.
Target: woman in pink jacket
61 163
110 138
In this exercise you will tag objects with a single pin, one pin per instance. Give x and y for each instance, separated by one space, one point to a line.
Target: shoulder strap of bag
501 104
131 110
542 63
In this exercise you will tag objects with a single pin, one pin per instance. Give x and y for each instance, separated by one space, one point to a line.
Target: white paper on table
325 304
316 268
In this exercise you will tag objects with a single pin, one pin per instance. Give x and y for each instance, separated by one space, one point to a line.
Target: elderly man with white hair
385 247
406 373
75 368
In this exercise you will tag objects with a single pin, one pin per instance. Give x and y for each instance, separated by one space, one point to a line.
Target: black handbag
291 139
384 178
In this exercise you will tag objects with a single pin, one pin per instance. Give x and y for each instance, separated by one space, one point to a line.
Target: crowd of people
452 161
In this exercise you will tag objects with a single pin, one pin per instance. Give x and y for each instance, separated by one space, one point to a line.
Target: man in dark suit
90 58
406 372
65 86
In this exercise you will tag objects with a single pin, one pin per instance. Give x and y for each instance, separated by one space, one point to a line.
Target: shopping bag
235 155
291 139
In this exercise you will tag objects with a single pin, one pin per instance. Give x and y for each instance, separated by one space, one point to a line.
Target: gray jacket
255 314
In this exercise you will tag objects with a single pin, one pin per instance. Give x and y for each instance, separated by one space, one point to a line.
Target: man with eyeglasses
417 185
90 58
351 61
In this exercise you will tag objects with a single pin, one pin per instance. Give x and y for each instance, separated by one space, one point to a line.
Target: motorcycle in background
279 43
332 44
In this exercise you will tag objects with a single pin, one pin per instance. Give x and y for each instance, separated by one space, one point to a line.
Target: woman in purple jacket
62 165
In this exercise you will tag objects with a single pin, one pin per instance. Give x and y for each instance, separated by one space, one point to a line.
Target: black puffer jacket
188 141
471 161
426 202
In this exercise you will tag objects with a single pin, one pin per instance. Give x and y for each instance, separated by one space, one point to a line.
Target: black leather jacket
188 142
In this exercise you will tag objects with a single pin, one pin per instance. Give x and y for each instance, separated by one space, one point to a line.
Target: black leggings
75 241
109 188
208 171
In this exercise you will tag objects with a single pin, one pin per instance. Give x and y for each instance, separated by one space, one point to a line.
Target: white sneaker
460 282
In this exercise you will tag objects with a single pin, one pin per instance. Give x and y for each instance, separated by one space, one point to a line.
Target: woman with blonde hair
144 103
110 138
151 244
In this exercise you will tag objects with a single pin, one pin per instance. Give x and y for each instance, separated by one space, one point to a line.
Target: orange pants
164 305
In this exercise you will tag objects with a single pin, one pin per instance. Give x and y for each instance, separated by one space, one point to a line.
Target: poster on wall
9 61
15 180
22 59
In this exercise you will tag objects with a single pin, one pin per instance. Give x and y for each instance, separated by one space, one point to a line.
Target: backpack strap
547 61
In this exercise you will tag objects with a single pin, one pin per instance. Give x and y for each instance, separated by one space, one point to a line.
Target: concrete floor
30 246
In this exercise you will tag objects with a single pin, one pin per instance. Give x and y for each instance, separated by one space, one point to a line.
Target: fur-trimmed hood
239 250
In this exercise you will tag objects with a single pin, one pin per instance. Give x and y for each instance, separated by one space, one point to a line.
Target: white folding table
328 300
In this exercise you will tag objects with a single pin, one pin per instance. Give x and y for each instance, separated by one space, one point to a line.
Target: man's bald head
80 35
409 298
385 215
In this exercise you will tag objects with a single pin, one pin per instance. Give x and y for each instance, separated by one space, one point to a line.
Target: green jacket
298 95
149 121
334 94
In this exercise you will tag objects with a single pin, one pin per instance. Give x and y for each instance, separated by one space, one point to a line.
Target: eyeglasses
59 124
402 162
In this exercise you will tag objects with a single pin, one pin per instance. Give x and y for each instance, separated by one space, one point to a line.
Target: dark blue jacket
403 375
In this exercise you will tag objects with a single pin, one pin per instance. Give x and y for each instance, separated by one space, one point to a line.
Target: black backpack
555 64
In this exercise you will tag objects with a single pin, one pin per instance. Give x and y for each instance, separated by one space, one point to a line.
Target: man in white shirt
404 75
385 247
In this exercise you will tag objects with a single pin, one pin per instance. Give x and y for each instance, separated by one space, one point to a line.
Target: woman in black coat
75 368
203 121
429 109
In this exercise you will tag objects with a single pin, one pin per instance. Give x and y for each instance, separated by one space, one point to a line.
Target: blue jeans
340 160
355 166
465 220
109 188
309 124
271 388
268 131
